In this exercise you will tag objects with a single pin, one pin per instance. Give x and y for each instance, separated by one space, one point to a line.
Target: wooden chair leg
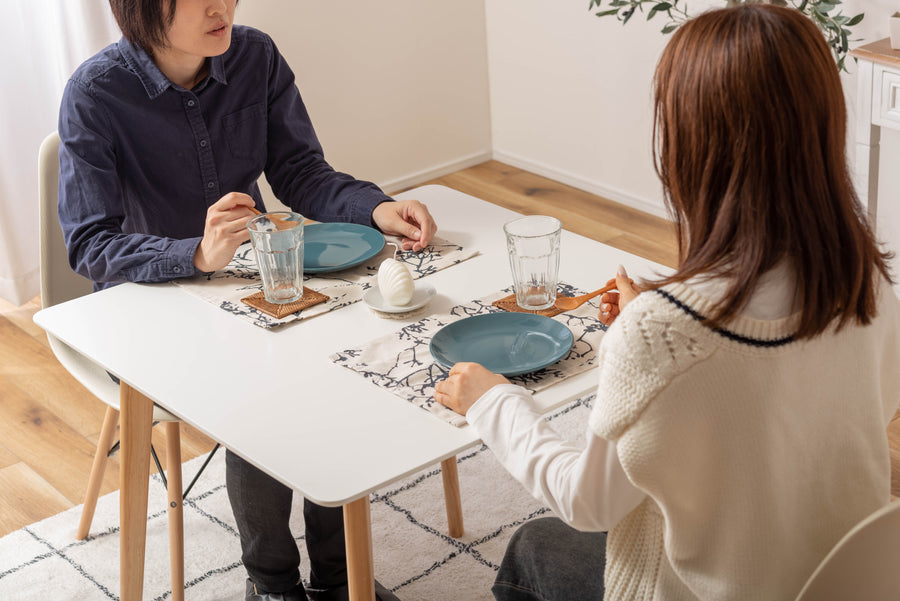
176 508
452 497
98 468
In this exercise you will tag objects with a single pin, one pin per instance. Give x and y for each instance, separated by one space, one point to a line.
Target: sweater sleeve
587 488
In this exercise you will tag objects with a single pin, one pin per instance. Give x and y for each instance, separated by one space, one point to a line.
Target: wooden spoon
567 303
281 224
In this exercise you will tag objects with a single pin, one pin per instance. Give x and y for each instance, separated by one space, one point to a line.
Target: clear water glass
533 246
279 254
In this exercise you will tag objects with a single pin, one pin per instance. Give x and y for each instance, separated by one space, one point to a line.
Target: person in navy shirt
163 138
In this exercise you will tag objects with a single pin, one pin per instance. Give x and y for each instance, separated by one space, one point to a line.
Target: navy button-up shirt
142 158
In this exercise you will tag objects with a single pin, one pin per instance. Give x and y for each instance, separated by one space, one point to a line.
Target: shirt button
203 143
211 185
177 269
191 103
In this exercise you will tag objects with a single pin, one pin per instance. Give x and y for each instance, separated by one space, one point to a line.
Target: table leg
358 536
137 422
452 497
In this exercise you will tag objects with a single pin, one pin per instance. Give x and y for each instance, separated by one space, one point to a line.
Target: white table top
275 398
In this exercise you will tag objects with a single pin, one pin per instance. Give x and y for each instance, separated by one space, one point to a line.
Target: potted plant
831 22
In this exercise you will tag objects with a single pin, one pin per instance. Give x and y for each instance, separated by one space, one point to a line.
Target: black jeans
546 560
262 509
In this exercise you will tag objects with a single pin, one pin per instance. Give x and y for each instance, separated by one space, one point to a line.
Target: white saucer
422 293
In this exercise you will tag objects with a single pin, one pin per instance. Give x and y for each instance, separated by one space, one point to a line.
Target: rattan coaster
310 297
508 303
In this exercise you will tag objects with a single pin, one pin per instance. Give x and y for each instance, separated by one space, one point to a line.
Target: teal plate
336 246
505 343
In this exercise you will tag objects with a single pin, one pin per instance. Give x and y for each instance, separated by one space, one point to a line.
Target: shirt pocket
245 132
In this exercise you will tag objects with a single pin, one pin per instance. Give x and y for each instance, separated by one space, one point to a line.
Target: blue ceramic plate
336 246
506 343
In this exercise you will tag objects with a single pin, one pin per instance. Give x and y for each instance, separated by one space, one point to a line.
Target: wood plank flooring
49 424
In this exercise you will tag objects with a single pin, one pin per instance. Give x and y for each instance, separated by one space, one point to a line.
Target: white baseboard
577 181
414 179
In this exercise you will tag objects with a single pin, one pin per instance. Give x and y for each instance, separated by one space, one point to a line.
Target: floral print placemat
225 288
402 363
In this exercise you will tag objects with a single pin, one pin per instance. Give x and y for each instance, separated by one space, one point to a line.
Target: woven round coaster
310 297
508 303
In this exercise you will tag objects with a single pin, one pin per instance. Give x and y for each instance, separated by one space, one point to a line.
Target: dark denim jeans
546 560
262 509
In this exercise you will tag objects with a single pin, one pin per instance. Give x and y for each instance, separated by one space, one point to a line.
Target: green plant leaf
855 20
605 13
670 28
662 6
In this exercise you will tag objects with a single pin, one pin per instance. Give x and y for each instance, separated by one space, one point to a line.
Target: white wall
397 91
571 98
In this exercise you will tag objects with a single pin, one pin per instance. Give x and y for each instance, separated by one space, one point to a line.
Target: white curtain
41 42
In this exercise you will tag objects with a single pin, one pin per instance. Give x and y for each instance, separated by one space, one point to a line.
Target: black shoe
254 593
343 594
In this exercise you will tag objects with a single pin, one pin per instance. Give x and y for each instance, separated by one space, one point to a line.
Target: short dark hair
144 23
750 148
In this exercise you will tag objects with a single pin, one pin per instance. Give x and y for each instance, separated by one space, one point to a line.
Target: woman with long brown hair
738 429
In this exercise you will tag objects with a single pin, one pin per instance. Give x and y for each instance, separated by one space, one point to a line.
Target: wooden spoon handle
591 295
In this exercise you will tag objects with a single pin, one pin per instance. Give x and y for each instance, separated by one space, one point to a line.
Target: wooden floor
49 424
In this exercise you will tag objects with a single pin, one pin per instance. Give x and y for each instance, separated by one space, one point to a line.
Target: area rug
414 556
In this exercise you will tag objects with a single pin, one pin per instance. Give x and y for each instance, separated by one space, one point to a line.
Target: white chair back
864 565
58 282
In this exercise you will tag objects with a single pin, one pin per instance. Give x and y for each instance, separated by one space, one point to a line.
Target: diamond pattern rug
414 556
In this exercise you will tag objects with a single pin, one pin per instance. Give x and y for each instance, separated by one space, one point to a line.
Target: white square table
276 399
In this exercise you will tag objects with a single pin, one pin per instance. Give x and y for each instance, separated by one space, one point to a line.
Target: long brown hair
749 137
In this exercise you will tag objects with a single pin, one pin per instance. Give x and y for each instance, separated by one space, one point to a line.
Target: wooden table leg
452 497
358 536
136 421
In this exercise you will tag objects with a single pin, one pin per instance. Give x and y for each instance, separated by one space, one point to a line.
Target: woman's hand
612 303
466 384
225 230
408 219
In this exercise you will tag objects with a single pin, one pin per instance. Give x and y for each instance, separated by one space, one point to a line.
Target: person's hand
408 219
466 384
612 303
225 230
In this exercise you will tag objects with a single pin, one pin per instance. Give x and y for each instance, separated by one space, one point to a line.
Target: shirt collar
153 80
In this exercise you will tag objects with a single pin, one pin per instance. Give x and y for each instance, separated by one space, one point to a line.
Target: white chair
864 565
58 284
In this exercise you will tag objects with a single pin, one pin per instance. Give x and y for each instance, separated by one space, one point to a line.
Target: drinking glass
533 245
279 254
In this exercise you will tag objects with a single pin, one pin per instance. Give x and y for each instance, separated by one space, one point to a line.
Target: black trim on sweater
758 342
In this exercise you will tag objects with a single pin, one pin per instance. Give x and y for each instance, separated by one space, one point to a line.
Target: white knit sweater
725 464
